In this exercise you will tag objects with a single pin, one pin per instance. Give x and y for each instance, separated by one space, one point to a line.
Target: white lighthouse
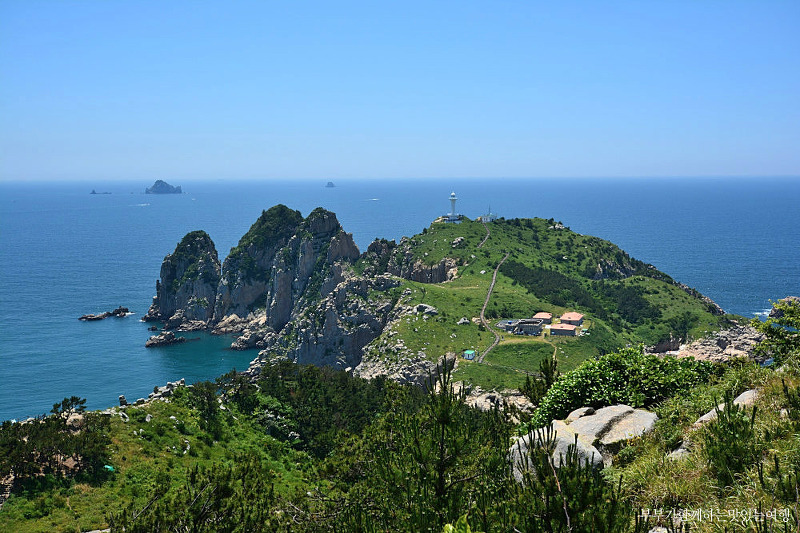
452 216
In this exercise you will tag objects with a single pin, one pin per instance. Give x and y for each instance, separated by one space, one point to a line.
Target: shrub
629 376
730 441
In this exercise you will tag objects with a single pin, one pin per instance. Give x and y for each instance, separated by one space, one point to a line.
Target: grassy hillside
311 449
549 268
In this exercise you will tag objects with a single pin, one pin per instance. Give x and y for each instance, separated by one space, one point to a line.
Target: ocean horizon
67 252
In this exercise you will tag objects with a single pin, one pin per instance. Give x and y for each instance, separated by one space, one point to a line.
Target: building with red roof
576 319
563 329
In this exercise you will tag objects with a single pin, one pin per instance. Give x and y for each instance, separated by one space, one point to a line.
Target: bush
730 442
629 376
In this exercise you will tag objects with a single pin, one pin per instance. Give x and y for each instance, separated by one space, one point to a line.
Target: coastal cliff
288 288
187 288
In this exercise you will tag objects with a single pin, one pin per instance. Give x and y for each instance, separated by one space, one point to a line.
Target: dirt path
485 303
488 234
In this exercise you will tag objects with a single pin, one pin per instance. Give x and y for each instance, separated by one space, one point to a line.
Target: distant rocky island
330 185
95 192
162 187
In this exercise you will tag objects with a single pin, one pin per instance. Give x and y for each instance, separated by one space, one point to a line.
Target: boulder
563 439
745 399
601 432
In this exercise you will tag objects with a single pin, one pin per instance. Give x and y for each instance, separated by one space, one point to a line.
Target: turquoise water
65 253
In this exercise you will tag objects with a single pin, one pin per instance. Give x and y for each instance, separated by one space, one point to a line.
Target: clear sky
332 89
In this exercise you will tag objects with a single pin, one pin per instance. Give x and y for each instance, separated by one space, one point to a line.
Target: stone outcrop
119 312
400 260
790 300
287 289
167 338
487 400
187 288
560 438
332 331
596 434
745 399
738 341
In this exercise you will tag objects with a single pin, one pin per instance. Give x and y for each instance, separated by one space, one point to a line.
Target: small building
507 325
568 330
546 318
488 217
469 355
528 326
576 319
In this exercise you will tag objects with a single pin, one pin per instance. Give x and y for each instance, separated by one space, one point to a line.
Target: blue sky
240 89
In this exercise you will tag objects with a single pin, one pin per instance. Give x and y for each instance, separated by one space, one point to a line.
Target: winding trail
486 302
488 234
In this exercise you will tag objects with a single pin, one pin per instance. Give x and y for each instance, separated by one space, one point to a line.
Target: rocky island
119 312
298 288
162 187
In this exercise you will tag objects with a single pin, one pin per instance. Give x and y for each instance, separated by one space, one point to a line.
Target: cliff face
334 330
187 289
399 260
288 288
247 274
282 265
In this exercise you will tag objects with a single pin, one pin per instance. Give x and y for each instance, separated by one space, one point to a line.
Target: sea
65 252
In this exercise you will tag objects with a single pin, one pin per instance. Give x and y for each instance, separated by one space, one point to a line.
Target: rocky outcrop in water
162 187
187 289
119 312
288 289
167 338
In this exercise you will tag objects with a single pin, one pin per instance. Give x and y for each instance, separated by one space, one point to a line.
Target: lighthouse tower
453 199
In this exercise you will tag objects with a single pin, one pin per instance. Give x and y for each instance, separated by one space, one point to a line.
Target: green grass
520 354
489 376
532 242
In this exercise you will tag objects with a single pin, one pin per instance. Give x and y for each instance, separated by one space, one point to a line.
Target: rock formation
738 341
778 313
167 338
399 260
187 289
119 312
162 187
288 289
596 435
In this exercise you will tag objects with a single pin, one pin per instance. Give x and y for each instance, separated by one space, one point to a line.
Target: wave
140 205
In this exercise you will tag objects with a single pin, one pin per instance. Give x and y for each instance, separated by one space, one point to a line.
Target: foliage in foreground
48 448
629 376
